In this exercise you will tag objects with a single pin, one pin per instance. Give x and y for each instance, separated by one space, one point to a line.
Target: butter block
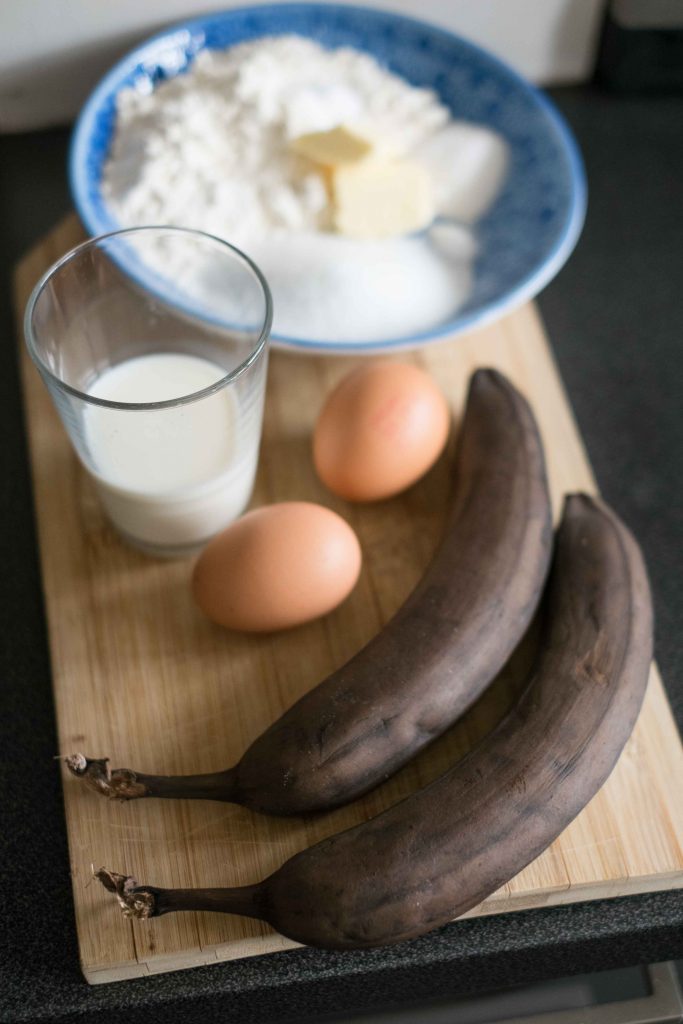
333 148
380 197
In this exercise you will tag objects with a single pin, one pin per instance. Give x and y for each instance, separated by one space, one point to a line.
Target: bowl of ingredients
395 183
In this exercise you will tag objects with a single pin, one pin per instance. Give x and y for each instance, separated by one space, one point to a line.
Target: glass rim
169 403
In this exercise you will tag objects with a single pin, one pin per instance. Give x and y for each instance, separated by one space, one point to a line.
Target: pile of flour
209 149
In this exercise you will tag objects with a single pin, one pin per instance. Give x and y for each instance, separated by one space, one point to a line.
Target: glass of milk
153 343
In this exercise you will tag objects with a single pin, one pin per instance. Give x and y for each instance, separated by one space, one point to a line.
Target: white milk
169 478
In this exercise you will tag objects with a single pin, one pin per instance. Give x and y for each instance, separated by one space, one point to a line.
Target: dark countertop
615 318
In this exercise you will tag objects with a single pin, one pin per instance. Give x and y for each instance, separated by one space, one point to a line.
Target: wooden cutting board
140 675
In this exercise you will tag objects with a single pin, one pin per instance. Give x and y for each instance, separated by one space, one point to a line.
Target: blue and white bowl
523 240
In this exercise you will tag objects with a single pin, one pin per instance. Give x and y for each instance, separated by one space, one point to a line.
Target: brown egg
379 431
277 566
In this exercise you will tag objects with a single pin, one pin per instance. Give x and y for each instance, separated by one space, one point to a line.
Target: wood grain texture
139 674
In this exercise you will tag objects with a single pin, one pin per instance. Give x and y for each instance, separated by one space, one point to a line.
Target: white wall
53 51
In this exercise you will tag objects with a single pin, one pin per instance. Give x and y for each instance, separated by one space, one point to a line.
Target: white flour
209 149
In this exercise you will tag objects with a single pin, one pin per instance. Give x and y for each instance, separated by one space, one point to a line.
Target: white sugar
341 289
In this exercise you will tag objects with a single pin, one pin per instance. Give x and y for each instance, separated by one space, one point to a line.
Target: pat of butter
379 197
333 148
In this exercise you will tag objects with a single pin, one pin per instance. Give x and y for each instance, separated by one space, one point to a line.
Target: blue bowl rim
530 286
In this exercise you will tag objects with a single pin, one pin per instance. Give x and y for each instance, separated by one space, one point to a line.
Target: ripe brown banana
445 848
430 662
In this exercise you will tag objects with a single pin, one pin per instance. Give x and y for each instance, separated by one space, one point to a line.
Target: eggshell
276 567
379 431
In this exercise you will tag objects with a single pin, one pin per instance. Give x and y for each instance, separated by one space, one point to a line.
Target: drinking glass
153 344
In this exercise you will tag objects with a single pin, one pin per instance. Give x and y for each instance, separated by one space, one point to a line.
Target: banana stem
143 901
126 784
